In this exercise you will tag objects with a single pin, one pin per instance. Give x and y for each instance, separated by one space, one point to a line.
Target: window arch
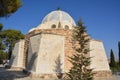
53 26
66 27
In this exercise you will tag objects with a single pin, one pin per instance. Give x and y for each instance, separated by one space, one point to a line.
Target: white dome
59 16
56 20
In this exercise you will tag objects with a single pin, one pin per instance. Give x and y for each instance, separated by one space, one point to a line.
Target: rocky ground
8 74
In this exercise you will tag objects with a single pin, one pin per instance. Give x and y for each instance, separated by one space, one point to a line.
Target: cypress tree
119 51
80 60
112 59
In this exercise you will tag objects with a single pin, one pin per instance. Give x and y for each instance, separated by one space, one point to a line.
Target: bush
116 68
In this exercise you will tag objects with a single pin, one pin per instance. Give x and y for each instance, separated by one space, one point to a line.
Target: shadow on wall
31 57
58 68
32 61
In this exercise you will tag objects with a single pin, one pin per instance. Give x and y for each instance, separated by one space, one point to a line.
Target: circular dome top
60 16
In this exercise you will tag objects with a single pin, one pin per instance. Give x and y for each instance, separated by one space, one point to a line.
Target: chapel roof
58 15
54 19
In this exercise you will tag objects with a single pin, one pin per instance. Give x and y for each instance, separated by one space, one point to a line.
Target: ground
8 74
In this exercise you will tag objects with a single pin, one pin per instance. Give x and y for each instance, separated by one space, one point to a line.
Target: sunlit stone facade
47 47
18 55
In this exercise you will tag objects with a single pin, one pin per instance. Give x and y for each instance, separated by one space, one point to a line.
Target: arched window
66 27
53 26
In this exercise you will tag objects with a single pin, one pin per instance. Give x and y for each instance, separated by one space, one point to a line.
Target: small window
66 27
53 26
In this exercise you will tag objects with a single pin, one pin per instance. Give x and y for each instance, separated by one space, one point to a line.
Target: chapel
49 45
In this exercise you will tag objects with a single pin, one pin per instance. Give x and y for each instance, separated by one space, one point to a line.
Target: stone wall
17 55
102 73
99 61
68 50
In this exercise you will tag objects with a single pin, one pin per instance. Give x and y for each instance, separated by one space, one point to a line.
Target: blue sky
102 18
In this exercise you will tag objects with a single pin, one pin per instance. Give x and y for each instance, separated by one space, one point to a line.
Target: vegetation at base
115 65
116 68
8 7
3 56
80 60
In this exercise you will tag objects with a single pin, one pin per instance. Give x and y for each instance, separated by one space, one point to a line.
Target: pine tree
10 37
80 60
7 7
112 59
2 47
119 51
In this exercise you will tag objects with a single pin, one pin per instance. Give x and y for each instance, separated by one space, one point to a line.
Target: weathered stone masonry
53 38
68 48
68 43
